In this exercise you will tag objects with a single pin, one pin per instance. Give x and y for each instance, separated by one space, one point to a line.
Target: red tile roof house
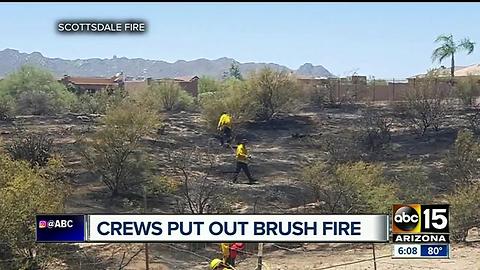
95 84
188 83
91 84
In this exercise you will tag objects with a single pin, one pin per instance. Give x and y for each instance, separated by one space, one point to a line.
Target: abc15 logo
418 218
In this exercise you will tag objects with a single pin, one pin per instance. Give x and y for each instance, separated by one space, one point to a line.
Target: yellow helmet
215 263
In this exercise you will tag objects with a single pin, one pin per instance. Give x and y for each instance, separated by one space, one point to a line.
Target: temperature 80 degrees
434 250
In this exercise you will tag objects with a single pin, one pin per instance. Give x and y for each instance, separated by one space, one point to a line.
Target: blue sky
385 40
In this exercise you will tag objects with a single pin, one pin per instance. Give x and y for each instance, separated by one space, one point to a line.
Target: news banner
417 231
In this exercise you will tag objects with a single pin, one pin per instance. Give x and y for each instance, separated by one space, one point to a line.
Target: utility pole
393 92
260 255
145 211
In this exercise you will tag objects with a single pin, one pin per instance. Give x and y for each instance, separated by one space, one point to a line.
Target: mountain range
11 60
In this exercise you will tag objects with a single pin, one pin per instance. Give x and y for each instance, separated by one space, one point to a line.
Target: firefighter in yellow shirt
217 264
225 128
242 162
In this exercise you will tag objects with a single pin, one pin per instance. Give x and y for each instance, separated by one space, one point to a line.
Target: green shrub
114 151
87 103
350 188
36 91
461 163
159 185
99 102
109 98
234 98
167 96
25 192
465 213
208 85
273 92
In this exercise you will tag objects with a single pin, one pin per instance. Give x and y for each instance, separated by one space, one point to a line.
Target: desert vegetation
160 146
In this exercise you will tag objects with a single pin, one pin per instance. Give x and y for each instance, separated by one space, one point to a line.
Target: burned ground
280 148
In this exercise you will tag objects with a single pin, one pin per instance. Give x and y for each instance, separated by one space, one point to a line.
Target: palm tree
449 47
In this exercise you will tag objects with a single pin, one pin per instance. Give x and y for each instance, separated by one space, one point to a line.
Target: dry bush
326 95
467 90
31 147
200 195
323 95
350 188
339 148
461 163
465 213
473 119
7 107
38 102
414 183
425 105
375 130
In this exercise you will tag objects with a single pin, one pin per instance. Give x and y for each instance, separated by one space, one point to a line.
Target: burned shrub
199 194
339 148
375 130
7 107
426 105
414 182
467 90
473 119
34 148
328 94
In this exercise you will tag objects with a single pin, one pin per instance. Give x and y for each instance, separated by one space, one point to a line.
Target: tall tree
233 72
448 48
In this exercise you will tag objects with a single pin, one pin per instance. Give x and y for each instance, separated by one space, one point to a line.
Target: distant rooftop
92 80
459 71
